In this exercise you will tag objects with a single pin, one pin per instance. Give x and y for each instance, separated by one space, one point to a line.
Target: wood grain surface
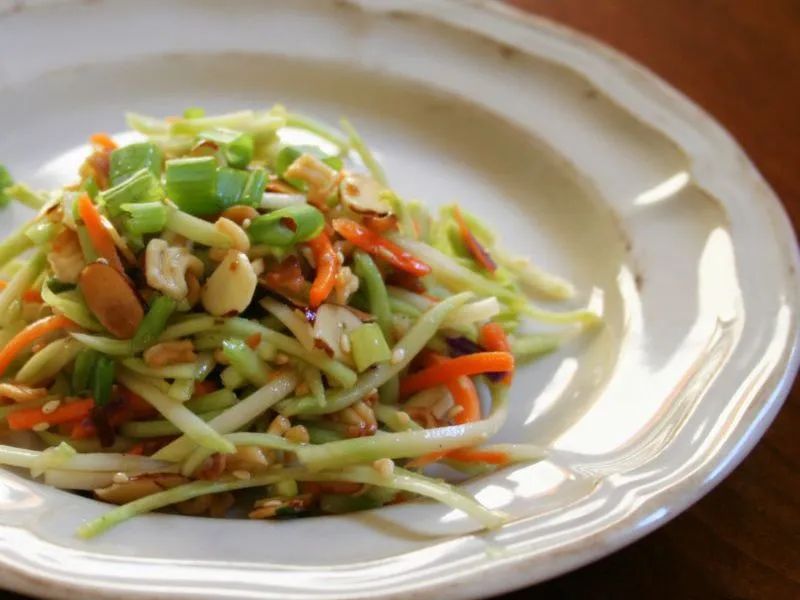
740 61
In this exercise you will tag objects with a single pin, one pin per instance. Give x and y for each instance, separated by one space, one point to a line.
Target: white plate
580 158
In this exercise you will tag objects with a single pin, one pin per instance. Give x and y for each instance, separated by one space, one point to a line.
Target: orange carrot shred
475 248
470 364
28 336
104 141
327 269
27 295
29 418
99 236
492 337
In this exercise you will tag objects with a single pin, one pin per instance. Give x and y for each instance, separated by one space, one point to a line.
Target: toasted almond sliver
112 299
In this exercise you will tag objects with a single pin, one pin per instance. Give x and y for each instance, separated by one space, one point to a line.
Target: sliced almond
138 487
362 194
112 299
331 323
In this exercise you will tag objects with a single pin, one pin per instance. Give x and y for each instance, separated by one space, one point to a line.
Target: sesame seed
344 343
281 358
51 406
384 466
43 426
120 478
397 356
246 223
241 474
404 417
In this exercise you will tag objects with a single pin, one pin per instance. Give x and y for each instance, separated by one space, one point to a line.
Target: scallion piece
245 361
103 380
217 400
254 190
237 147
154 323
231 184
142 186
132 158
147 217
191 184
287 226
369 346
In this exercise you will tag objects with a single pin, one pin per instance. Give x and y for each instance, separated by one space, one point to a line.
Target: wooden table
740 60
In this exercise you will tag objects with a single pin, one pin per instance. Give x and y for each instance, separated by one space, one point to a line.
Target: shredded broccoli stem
243 438
71 306
15 244
179 371
236 416
376 291
25 195
408 347
357 143
184 419
186 327
393 418
101 461
11 296
407 444
319 129
196 229
343 374
48 362
105 345
160 428
400 479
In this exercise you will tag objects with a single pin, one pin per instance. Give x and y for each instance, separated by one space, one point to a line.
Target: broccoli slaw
213 309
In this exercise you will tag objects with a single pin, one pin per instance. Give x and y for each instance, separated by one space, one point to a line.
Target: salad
212 308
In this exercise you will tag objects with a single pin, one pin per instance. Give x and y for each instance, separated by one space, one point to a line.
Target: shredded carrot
327 269
128 407
492 337
253 340
104 141
469 364
201 388
476 249
371 242
466 455
491 457
28 336
462 390
99 236
27 295
28 419
380 224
